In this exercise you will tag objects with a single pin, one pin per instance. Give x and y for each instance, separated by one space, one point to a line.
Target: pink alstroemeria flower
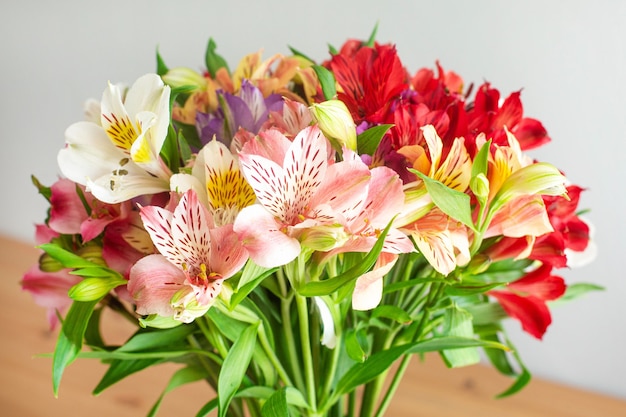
196 257
297 189
49 289
384 200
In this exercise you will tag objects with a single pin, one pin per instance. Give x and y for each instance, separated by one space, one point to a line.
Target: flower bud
48 264
94 288
92 252
184 77
480 187
324 238
336 123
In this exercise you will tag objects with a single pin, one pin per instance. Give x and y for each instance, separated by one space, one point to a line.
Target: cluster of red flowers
377 89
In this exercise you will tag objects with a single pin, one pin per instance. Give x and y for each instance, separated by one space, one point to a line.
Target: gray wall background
569 56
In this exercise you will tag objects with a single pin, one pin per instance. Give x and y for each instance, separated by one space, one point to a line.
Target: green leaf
471 288
120 369
183 147
479 166
392 312
458 322
498 358
353 347
372 39
364 372
276 405
95 272
327 81
574 291
181 377
207 408
234 367
213 60
243 291
151 340
251 272
162 68
298 53
332 50
398 286
368 141
43 190
70 340
94 288
293 395
190 134
522 380
67 258
169 150
452 202
330 285
486 313
93 338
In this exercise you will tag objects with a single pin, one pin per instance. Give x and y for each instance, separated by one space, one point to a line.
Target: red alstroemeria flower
562 215
442 93
570 231
488 116
525 299
370 79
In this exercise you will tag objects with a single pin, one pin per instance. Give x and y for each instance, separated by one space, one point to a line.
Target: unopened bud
480 187
94 288
184 77
324 238
48 264
92 252
336 123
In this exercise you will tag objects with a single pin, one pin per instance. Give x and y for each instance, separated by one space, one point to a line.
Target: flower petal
260 234
152 283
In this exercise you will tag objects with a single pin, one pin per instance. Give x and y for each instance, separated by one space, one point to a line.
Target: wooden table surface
429 389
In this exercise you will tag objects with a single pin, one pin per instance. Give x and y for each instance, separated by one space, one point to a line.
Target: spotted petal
190 230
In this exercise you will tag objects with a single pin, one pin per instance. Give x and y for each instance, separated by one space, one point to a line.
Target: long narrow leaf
66 258
328 286
327 81
364 372
181 377
234 368
120 369
208 407
70 341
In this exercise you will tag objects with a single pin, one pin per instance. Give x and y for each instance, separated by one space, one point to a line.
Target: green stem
305 341
436 289
374 387
331 370
285 312
271 354
395 383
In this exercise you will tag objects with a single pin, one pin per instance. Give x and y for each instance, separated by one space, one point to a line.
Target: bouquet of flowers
289 230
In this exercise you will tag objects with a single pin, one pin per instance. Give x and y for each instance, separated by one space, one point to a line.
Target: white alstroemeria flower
118 159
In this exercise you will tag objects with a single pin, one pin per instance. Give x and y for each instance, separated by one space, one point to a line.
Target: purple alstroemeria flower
247 110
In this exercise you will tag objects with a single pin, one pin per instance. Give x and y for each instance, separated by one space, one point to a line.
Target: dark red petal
510 114
540 283
550 249
530 133
531 312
